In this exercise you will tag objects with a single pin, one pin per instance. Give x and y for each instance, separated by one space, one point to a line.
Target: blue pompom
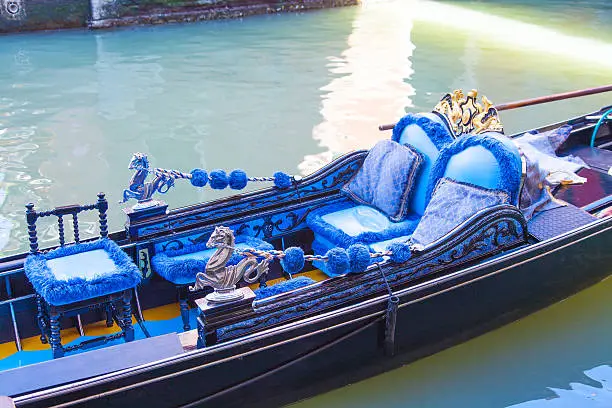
400 252
293 261
238 179
359 257
218 179
282 180
337 261
199 177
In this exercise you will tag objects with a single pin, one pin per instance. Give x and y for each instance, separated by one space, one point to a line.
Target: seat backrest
428 134
489 160
68 210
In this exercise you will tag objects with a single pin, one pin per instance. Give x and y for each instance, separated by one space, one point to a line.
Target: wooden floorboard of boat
156 314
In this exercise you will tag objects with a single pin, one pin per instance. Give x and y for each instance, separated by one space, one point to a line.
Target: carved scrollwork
464 114
485 236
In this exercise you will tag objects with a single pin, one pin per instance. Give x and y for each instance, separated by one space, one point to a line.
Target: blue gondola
444 231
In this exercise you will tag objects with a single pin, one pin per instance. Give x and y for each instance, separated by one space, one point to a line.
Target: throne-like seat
469 174
472 173
77 277
387 196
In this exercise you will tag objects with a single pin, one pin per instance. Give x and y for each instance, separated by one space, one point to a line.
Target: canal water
291 92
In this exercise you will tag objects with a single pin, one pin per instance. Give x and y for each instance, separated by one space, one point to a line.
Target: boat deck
157 321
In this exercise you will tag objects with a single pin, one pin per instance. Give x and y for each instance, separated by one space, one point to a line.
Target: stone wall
26 15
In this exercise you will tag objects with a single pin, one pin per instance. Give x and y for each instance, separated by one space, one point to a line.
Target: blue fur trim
218 179
359 258
286 286
337 261
183 271
61 292
439 134
342 239
199 177
238 179
511 168
282 180
400 252
293 261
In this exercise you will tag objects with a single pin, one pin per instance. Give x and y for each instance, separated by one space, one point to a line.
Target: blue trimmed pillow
385 179
452 203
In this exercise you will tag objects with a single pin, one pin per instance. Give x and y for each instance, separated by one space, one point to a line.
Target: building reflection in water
371 82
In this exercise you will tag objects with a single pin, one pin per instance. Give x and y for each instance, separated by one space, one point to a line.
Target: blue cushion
489 160
181 266
428 134
282 287
385 179
345 223
451 204
381 246
79 272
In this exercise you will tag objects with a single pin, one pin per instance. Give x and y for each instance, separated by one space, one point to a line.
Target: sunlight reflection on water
372 82
579 395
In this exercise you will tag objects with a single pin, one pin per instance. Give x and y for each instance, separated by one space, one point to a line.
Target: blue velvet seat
472 173
181 266
490 160
76 273
80 276
342 224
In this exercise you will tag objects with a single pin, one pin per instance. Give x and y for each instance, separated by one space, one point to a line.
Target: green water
290 93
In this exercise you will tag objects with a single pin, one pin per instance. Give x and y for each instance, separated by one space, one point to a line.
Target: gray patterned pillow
452 203
385 179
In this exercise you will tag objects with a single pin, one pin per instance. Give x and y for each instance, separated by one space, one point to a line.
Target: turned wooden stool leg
126 316
184 308
55 339
109 315
41 319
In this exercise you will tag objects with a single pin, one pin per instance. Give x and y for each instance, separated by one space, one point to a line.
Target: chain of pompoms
354 259
219 179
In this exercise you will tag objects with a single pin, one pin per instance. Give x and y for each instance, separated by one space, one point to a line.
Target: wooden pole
538 100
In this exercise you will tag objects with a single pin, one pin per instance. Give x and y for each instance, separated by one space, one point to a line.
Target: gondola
439 233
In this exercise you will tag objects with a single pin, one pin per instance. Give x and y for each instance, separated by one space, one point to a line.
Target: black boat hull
316 354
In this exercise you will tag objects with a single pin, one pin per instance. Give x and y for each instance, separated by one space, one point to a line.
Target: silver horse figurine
223 279
140 190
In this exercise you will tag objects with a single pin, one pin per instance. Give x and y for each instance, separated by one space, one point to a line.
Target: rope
171 174
391 295
599 123
276 254
260 178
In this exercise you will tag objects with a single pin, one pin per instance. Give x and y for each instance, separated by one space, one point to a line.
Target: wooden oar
538 100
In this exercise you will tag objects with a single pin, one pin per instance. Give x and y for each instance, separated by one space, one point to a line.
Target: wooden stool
77 277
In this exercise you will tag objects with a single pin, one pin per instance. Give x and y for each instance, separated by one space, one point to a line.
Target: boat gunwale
587 231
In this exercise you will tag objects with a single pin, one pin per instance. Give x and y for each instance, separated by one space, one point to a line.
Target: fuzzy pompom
199 177
293 261
282 180
337 261
238 179
359 257
400 252
218 179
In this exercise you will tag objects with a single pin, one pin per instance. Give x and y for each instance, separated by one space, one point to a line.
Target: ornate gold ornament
464 114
